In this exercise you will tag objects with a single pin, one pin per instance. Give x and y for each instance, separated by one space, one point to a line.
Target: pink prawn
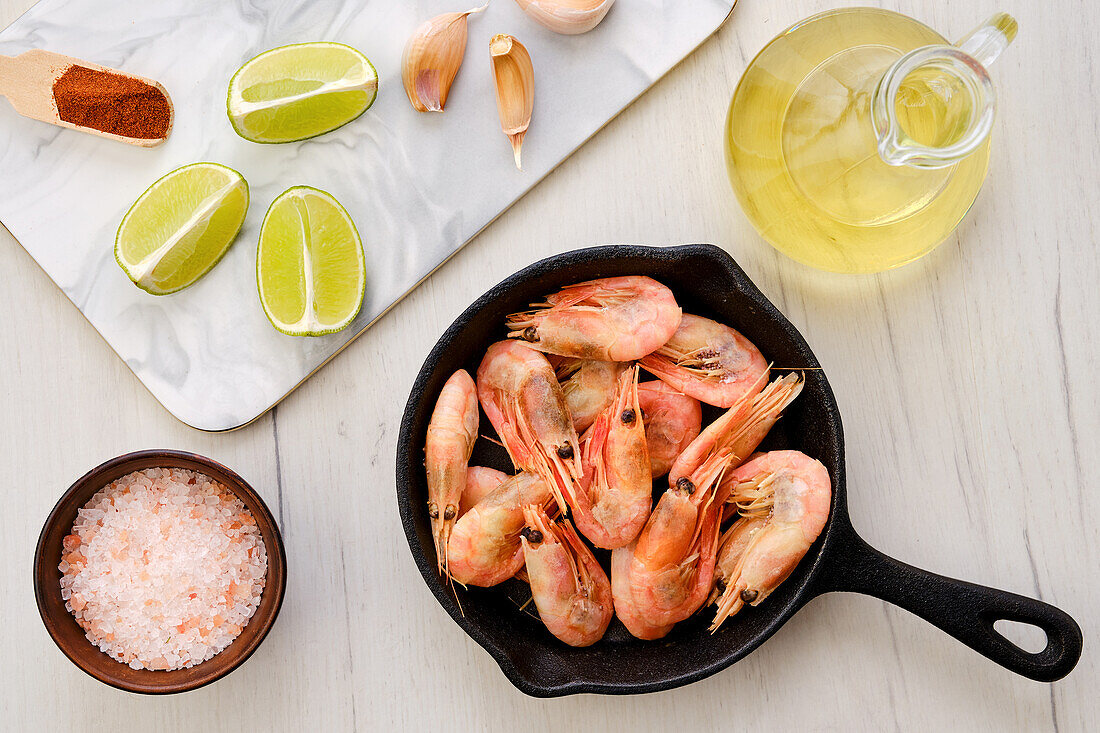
570 589
524 402
613 499
672 420
452 432
611 319
709 361
788 494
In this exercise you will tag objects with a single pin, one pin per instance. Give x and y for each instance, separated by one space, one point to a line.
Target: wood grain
965 381
27 81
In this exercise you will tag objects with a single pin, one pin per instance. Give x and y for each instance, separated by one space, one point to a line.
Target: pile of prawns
588 439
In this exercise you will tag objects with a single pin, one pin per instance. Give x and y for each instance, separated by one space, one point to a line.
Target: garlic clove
514 79
432 57
567 16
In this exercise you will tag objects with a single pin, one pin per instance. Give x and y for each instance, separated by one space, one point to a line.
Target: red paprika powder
112 103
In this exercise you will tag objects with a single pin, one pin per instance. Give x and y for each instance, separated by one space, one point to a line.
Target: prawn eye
628 416
684 484
531 535
565 451
530 334
748 595
433 510
449 512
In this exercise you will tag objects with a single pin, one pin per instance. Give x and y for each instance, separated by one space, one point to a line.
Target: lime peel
164 202
141 272
303 114
309 323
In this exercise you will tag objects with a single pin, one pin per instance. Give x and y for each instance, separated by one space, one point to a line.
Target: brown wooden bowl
68 635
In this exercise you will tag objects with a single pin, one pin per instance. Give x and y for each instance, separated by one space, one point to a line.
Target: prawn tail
659 366
593 442
559 474
569 535
518 323
517 436
628 391
729 604
767 405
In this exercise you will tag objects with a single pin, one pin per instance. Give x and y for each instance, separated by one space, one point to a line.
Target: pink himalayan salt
163 568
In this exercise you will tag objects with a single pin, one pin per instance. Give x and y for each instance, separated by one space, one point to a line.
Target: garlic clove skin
432 57
514 80
569 17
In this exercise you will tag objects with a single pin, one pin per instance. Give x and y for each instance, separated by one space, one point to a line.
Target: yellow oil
802 153
934 109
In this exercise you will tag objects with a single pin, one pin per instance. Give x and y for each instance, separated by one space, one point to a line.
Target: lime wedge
309 267
300 91
181 226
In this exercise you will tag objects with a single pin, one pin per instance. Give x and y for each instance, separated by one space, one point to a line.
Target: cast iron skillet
708 282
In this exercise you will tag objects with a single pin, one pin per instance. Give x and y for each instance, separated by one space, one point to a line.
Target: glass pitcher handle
986 42
967 62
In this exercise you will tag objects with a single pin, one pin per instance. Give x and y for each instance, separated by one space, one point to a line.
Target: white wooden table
967 383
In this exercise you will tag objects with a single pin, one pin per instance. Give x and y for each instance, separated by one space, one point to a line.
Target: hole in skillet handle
965 610
1030 638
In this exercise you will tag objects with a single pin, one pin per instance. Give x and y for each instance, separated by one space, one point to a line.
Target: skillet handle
964 610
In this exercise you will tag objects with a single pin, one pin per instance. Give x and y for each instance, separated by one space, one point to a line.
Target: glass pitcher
858 139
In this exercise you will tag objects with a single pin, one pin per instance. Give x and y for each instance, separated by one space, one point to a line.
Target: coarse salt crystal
169 566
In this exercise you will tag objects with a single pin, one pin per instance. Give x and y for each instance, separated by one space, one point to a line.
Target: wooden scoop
28 82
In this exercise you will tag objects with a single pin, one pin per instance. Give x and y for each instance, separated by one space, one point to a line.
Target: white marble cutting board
418 186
